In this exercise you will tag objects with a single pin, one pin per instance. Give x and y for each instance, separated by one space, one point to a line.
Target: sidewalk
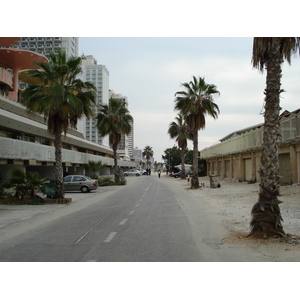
15 214
12 214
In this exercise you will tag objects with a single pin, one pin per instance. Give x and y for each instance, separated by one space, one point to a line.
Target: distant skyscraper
99 76
42 45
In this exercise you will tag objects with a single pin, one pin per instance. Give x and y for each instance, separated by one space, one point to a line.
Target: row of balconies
252 140
12 149
40 39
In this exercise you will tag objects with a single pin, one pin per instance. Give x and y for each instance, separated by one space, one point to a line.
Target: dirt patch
233 202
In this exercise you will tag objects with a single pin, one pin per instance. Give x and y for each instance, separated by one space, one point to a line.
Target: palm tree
270 53
148 153
195 103
114 120
179 130
62 99
25 183
94 166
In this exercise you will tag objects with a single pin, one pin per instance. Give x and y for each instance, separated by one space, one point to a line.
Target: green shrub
121 181
105 181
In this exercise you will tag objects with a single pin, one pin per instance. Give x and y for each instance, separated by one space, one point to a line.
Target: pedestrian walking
158 173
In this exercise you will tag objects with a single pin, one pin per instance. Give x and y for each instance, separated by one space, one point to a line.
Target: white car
132 173
142 172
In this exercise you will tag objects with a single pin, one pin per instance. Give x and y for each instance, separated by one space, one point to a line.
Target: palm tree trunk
195 179
266 217
58 169
182 176
116 163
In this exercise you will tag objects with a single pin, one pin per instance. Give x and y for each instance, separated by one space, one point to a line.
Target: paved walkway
15 214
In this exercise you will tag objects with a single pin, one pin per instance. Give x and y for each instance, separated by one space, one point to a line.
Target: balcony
252 139
20 150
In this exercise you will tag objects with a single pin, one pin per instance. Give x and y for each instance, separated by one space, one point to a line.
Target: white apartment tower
42 45
125 148
99 76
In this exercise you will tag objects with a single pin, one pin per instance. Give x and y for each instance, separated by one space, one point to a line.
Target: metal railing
252 139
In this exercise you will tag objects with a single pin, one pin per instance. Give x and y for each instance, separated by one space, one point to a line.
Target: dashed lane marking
110 237
83 236
123 221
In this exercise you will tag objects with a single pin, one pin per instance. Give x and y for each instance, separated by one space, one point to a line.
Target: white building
99 76
25 142
43 45
125 148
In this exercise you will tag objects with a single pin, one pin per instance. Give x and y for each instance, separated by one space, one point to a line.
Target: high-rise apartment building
125 148
99 76
43 45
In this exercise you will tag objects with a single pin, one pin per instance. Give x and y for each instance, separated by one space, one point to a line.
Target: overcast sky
149 71
138 41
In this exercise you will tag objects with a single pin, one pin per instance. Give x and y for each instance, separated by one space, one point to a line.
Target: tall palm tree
195 103
179 130
114 120
62 98
148 153
270 53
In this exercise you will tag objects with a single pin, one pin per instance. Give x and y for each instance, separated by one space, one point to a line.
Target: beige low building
238 155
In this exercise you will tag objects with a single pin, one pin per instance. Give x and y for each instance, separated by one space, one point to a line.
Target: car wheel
85 189
125 174
137 174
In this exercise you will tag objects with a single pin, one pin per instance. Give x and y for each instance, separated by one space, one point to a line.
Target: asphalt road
150 219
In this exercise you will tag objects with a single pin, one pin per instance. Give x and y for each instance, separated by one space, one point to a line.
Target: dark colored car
178 174
80 183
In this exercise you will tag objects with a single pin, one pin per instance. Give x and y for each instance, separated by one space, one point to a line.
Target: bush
105 181
121 180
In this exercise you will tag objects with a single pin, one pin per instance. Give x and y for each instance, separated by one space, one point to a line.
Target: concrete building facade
238 155
99 76
25 142
43 45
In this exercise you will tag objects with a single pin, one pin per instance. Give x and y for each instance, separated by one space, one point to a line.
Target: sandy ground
234 200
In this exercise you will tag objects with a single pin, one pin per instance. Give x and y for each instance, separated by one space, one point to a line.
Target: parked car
80 183
142 172
132 173
178 174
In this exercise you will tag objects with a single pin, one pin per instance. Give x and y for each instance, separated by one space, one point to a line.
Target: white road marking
148 187
132 212
123 221
137 205
83 236
110 237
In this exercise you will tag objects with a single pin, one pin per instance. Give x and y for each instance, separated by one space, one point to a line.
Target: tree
148 153
179 130
195 103
62 99
94 166
270 53
114 120
25 183
172 158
